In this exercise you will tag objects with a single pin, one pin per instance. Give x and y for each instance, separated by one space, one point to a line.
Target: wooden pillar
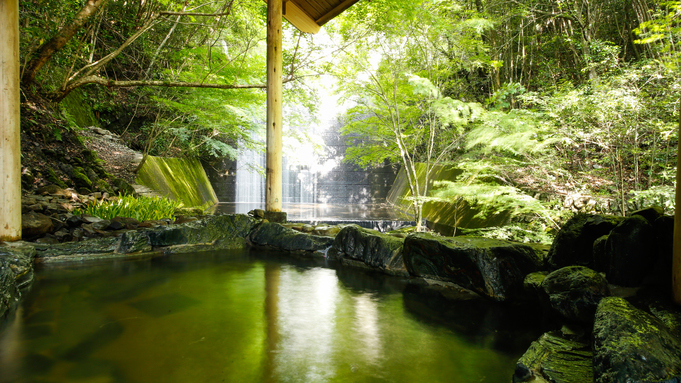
10 146
273 192
676 261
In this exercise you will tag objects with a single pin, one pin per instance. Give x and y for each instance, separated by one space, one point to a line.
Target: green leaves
141 208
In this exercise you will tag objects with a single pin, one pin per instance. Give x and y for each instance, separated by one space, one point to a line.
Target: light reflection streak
306 322
368 329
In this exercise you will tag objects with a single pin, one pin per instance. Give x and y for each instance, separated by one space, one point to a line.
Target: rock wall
181 179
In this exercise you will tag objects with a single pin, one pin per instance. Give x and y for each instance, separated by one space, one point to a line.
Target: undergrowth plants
141 208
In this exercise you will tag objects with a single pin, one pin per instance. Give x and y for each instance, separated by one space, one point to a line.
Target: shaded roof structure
309 15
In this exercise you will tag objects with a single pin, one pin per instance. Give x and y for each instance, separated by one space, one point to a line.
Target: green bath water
251 317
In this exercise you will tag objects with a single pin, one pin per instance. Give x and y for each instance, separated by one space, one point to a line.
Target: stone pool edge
500 271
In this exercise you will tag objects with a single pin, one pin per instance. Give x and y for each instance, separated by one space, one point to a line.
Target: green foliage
662 196
141 208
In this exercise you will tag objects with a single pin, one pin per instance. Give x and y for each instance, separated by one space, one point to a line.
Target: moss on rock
80 178
52 178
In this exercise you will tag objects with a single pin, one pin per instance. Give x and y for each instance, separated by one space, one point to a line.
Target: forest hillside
548 107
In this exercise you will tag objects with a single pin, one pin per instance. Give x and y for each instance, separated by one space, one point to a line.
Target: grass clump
142 208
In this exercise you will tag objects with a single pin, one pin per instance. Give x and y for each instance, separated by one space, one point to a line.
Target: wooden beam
676 260
299 18
273 180
10 145
335 12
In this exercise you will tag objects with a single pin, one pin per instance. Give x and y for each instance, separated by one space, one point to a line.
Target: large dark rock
9 293
552 358
134 242
276 236
574 243
650 214
575 291
532 285
491 267
371 248
19 257
216 231
631 345
34 225
75 251
630 251
664 237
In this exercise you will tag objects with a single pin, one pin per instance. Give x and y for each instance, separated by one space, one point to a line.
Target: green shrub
141 208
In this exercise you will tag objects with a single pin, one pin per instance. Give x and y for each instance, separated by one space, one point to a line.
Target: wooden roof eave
300 12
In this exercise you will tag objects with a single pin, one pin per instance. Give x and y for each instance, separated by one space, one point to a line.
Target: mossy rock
27 180
124 188
553 358
89 156
373 249
52 178
631 345
490 267
91 174
80 178
574 243
275 236
575 291
102 185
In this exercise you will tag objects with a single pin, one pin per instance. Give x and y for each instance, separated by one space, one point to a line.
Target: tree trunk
676 263
47 50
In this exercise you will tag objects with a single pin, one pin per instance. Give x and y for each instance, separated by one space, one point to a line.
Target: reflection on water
244 317
321 211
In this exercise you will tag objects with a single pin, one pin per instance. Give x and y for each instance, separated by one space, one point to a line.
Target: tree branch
168 84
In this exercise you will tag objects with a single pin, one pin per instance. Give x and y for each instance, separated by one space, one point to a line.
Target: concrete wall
181 179
336 183
442 216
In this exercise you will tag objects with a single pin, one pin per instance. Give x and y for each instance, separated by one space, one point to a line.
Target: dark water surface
251 317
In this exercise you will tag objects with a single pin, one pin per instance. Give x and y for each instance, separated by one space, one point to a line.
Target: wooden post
10 146
676 261
273 193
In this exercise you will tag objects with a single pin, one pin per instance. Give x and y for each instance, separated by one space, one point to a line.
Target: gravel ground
119 160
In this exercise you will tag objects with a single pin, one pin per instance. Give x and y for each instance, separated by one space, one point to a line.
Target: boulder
275 236
631 345
19 256
532 285
83 250
123 187
491 267
575 291
664 237
552 358
574 242
650 214
34 225
133 242
217 231
9 293
370 248
600 254
630 251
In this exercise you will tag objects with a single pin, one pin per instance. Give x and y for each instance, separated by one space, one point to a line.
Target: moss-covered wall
78 109
443 216
181 179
